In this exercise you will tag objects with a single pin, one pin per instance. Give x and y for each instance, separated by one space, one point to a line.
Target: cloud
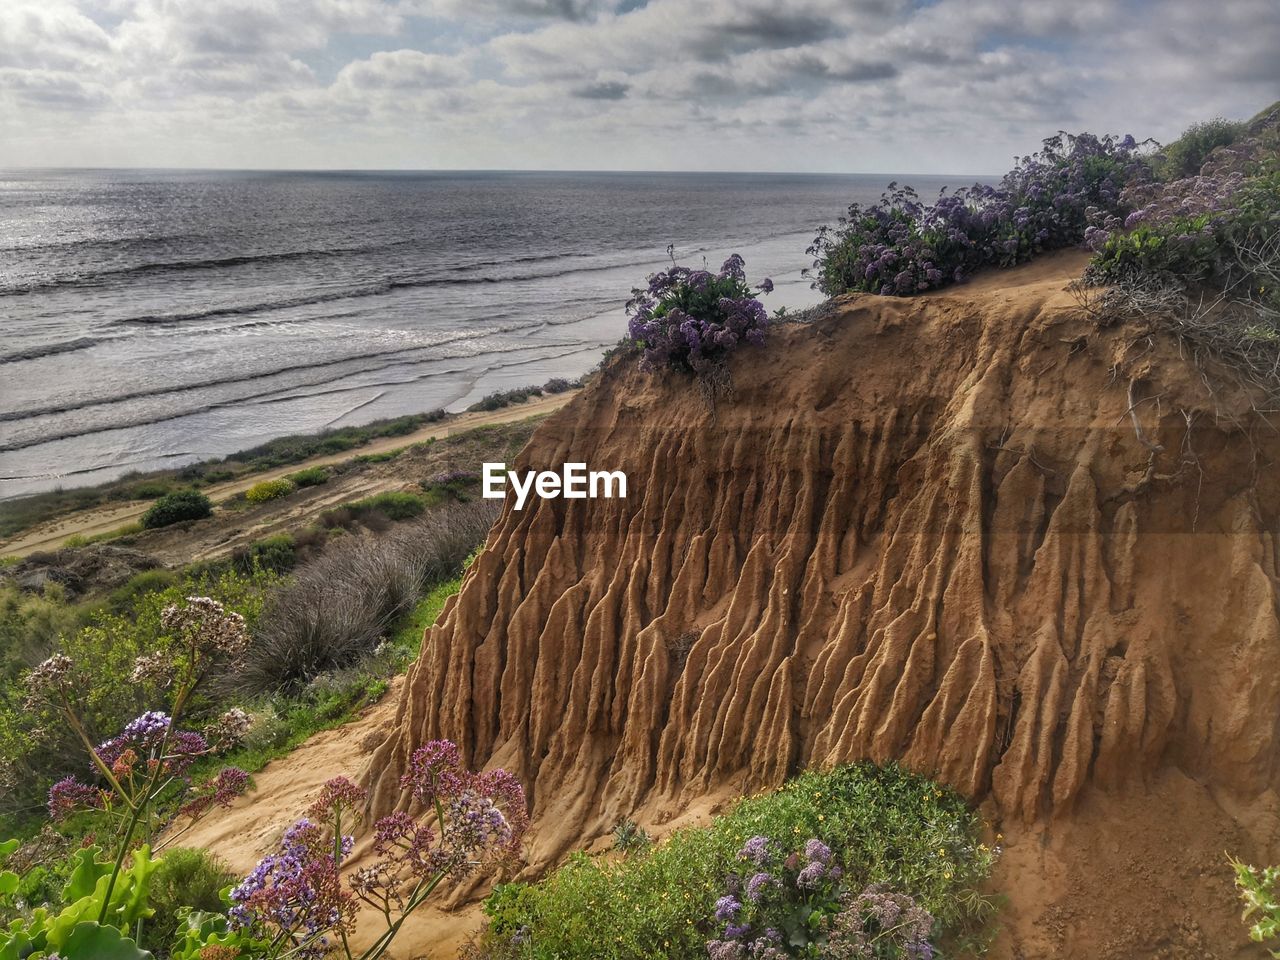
499 9
683 84
402 70
602 90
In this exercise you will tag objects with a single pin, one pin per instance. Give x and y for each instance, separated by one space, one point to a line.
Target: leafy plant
185 880
1185 156
392 504
629 835
310 476
1260 891
883 826
176 507
266 490
692 320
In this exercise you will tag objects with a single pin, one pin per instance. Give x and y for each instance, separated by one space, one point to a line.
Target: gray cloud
685 84
602 90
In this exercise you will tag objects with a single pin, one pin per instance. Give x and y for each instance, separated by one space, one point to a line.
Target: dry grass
341 607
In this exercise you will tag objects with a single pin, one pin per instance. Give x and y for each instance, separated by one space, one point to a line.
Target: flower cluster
48 681
148 738
229 729
221 791
68 796
901 246
692 320
297 893
296 896
880 923
208 627
1190 230
777 902
798 906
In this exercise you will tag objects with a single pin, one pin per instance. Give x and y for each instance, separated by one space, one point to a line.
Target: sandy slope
50 535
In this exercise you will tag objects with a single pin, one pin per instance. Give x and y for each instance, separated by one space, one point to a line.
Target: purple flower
435 772
69 795
727 907
756 850
759 885
811 875
815 849
148 728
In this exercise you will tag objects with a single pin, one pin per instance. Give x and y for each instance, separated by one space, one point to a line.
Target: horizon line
751 173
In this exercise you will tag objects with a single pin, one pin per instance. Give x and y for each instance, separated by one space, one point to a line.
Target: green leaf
84 875
90 941
8 882
7 847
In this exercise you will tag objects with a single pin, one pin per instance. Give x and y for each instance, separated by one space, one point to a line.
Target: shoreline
94 521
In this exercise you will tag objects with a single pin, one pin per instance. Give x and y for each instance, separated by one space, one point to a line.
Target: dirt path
97 520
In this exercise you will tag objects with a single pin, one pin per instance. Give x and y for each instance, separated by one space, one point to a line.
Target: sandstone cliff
972 532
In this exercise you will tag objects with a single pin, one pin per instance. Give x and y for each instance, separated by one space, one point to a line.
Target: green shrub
885 826
1185 156
310 477
277 554
386 456
125 596
150 490
393 504
270 490
177 507
183 879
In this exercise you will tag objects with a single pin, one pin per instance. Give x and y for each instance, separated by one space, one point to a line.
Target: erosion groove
925 531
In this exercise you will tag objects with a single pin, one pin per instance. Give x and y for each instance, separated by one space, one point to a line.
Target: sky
857 86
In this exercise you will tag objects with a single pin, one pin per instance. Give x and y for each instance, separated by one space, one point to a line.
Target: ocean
155 318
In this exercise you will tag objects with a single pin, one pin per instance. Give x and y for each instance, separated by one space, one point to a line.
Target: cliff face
972 532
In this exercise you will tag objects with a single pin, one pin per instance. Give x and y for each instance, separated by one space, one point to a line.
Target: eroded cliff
971 532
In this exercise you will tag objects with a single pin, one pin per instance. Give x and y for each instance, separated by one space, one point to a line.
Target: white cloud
813 84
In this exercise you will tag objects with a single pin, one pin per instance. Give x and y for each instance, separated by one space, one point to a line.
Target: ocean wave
98 277
29 413
274 394
50 349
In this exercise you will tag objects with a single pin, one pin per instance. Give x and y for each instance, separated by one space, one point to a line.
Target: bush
341 606
458 485
899 246
310 477
183 879
177 507
124 597
149 490
269 490
884 826
1185 156
692 320
386 456
277 554
392 504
